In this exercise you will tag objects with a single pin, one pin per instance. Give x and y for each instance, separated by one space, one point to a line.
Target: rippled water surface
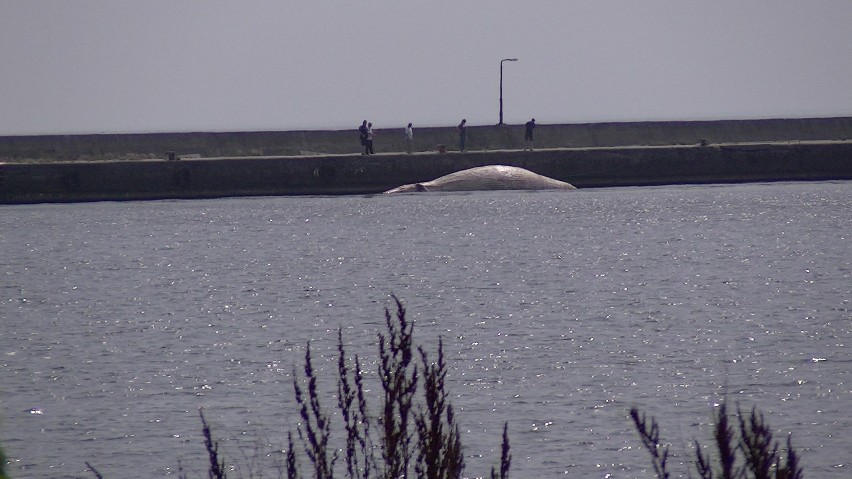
559 311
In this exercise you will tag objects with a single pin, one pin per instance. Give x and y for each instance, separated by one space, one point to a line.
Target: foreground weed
754 454
315 429
413 433
217 466
505 457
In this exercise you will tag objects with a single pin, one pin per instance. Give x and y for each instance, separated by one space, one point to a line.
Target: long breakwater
204 165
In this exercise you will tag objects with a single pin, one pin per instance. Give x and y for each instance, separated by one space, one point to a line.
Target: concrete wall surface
53 148
357 174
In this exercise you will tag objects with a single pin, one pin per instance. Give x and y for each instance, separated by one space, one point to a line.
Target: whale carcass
493 177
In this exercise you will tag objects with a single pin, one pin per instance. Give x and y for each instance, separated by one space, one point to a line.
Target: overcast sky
104 66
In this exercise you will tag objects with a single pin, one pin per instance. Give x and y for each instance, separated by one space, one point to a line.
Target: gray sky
104 66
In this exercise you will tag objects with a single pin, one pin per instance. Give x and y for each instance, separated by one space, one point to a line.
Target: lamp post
501 85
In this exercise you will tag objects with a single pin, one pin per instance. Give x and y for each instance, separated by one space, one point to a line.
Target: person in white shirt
409 138
370 139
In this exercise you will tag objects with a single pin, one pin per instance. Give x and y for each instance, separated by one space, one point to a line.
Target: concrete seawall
356 174
776 150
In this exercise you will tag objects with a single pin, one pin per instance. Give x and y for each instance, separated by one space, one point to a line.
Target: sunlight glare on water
558 311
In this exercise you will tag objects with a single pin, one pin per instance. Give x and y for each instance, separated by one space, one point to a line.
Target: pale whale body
494 177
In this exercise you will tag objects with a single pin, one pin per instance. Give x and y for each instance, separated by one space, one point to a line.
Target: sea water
558 311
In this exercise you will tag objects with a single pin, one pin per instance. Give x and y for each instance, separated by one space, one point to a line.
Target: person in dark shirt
362 130
528 134
462 134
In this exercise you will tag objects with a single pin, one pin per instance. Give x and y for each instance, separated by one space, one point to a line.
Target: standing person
528 134
362 130
409 138
462 134
370 139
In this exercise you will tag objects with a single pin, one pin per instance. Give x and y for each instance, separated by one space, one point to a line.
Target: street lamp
501 85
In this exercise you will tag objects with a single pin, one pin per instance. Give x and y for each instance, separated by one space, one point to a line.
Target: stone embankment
136 166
